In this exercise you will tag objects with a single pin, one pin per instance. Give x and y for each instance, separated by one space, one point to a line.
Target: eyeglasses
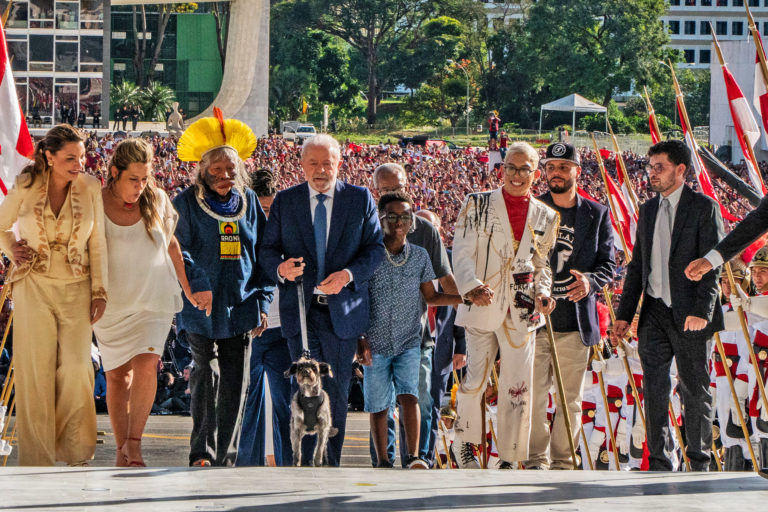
390 190
654 169
392 218
523 172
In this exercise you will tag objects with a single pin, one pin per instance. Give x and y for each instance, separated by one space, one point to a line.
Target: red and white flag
653 124
16 147
698 166
621 213
760 98
747 130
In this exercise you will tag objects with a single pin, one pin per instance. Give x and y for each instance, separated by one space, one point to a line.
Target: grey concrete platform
323 489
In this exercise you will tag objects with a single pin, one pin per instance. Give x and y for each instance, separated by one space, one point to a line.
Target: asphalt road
166 442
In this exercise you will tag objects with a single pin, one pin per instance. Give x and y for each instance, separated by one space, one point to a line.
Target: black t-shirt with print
564 316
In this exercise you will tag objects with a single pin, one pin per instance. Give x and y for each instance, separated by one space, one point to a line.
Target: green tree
287 86
155 100
374 28
597 47
124 93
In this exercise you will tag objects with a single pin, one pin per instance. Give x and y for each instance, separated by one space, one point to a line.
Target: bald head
430 216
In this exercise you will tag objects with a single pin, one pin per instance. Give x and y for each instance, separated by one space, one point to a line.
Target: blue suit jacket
593 256
354 242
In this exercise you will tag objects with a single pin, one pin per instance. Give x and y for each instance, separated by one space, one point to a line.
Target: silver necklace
406 252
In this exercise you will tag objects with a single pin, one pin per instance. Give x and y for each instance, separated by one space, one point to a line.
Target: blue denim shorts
390 376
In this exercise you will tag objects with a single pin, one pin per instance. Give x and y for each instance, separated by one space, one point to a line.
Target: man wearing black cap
582 263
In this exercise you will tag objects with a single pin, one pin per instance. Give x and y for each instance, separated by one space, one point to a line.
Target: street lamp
450 61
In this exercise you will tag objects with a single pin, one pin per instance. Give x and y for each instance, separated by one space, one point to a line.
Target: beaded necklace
406 252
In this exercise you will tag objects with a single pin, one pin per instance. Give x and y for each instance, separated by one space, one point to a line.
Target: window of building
722 3
690 56
91 53
674 2
706 3
705 28
40 48
721 28
689 27
738 3
765 29
67 16
690 2
18 15
754 3
737 28
41 97
704 56
41 10
66 56
674 27
17 50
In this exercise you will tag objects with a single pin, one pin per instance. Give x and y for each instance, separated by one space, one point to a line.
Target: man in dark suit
745 233
678 317
582 263
328 232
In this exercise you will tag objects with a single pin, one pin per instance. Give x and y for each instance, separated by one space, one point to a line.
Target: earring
50 163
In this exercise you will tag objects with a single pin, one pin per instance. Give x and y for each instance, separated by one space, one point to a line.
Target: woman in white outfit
146 269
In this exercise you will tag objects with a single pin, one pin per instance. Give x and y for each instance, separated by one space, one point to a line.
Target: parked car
298 133
424 140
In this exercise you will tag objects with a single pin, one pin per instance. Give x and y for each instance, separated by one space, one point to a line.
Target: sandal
138 463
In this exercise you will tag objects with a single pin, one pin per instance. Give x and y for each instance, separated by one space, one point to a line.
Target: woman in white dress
145 270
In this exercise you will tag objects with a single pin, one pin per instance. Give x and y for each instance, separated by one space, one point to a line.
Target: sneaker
201 463
507 465
466 459
416 463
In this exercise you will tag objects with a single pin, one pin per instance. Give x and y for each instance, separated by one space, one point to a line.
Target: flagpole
6 14
652 114
623 167
601 165
680 103
758 45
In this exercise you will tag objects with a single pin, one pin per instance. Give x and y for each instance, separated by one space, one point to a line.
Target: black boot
734 459
764 454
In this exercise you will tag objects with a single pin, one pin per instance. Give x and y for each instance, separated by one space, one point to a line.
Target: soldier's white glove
737 301
638 434
622 440
5 448
629 349
742 388
598 366
596 440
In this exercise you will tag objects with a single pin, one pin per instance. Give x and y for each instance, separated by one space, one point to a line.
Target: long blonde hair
53 141
130 151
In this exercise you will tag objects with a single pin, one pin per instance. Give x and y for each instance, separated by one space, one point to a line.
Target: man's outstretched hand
697 268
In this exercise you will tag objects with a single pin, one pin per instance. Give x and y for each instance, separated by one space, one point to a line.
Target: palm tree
156 99
124 93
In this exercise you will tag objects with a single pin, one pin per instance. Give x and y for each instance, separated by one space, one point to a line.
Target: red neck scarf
517 211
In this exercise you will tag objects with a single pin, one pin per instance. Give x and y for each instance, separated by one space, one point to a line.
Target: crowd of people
404 212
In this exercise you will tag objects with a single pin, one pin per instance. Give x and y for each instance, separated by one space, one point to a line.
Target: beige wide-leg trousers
514 402
573 357
55 413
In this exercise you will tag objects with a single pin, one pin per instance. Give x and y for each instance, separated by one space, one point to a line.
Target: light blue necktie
320 224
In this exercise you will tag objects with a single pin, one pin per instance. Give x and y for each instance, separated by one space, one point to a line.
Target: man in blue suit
582 263
328 232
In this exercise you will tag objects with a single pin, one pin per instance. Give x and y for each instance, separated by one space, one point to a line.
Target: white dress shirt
654 279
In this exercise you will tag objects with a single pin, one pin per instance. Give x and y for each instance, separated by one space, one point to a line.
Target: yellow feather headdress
214 132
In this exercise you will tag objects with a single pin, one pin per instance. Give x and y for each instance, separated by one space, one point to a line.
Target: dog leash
302 315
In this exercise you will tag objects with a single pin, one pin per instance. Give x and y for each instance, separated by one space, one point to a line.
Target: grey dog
310 408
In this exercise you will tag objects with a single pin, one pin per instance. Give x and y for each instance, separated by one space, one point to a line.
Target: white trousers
516 351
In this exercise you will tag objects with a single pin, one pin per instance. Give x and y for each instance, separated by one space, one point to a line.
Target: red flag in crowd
747 130
698 166
616 223
760 98
619 209
627 193
653 124
16 147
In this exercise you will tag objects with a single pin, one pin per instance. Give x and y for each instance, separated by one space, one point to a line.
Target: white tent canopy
573 103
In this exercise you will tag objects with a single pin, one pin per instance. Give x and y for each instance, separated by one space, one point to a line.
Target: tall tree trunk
162 24
372 86
221 18
139 47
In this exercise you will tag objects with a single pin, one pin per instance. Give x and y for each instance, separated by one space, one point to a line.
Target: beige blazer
484 252
87 248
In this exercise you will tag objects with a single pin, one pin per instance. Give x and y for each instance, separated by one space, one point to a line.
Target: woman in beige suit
59 291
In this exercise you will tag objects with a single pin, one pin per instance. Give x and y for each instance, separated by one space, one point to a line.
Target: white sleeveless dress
144 294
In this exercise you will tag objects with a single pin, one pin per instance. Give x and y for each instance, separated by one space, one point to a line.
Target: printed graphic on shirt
562 272
229 241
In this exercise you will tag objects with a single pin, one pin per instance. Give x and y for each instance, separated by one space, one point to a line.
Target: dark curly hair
392 197
264 183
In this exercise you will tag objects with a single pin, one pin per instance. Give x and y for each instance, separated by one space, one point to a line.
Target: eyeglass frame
516 171
406 218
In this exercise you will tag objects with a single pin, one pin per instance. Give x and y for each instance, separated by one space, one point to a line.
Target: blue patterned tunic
396 302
